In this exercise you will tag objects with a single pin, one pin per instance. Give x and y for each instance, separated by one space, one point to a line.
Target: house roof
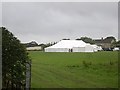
106 40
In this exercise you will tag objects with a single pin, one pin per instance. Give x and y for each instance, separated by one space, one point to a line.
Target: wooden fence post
28 76
0 59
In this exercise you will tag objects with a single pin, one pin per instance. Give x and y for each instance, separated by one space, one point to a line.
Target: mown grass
74 70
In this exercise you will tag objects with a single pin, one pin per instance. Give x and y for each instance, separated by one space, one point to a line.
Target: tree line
85 39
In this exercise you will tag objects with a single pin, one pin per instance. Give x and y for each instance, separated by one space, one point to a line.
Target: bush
14 59
87 64
111 63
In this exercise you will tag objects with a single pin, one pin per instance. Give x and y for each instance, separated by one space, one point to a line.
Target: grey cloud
0 14
52 21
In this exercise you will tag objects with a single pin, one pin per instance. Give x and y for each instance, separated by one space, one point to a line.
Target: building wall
104 45
33 48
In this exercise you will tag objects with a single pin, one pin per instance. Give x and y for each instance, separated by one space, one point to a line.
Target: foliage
43 46
66 39
31 44
87 64
87 40
116 44
14 59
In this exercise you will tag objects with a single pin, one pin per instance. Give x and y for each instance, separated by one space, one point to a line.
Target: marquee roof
69 44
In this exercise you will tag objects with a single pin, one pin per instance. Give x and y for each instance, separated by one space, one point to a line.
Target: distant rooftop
106 40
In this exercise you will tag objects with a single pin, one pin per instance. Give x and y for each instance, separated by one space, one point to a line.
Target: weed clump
86 64
111 63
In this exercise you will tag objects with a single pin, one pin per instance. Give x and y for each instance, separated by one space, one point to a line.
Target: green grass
74 70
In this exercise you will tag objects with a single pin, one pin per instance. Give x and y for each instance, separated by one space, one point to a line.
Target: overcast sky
0 14
50 21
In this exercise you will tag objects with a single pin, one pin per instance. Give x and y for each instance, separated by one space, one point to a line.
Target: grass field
74 70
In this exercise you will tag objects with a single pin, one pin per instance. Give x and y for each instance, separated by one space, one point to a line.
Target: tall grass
74 70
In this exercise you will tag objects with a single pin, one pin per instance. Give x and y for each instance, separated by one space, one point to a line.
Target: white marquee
72 46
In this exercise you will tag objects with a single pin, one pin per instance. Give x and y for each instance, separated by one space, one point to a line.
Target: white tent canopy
65 46
97 48
70 46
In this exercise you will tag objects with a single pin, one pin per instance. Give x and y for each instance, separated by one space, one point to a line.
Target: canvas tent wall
56 50
95 47
86 48
78 49
89 48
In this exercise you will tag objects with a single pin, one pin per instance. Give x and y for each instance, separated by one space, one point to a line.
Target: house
105 43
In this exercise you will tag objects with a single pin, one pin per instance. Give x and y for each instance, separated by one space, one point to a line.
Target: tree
66 39
87 40
116 44
14 59
42 46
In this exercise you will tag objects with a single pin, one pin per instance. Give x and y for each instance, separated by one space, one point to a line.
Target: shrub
111 63
87 64
14 59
